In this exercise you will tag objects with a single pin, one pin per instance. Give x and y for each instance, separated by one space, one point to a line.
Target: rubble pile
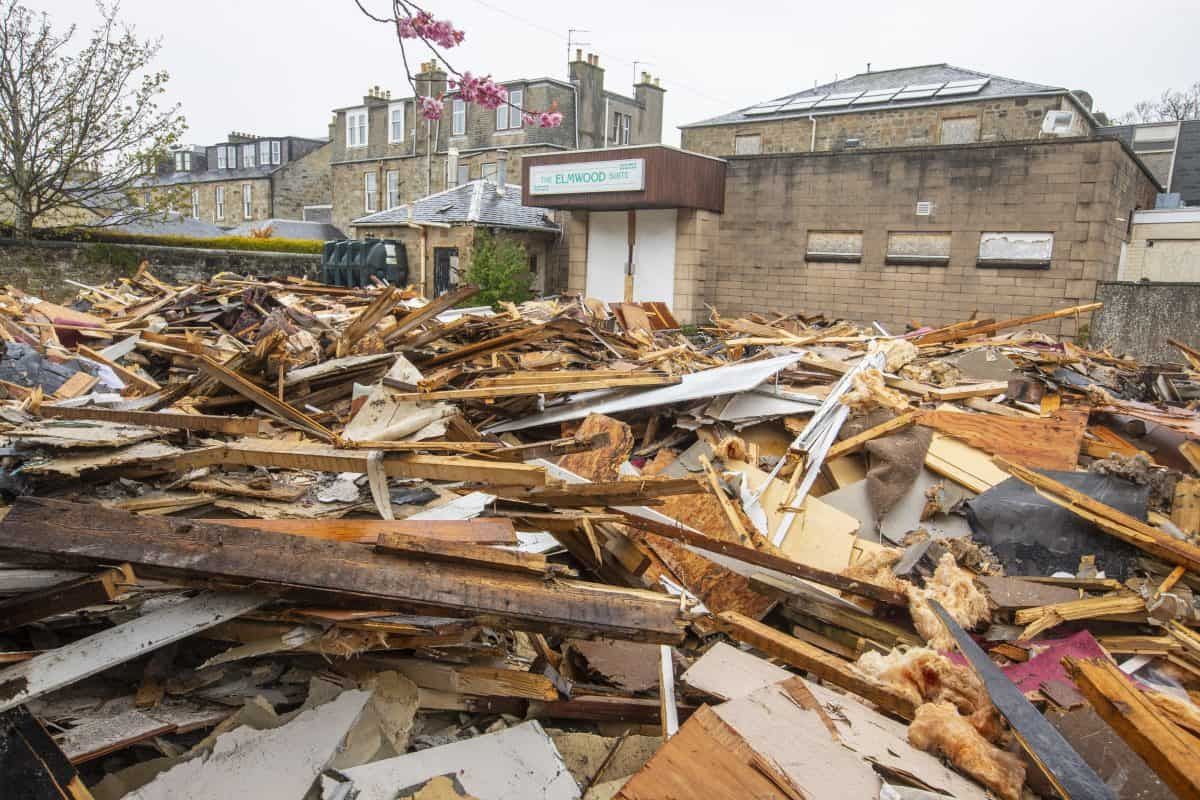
290 540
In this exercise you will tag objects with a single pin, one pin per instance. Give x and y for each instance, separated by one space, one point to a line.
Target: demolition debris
288 540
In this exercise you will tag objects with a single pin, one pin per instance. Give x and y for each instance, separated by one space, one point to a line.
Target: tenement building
385 154
937 104
245 178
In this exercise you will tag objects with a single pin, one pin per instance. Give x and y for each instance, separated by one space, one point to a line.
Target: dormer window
356 128
264 152
221 162
183 161
274 151
248 155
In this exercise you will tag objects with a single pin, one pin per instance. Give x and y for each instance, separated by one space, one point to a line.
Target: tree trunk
22 219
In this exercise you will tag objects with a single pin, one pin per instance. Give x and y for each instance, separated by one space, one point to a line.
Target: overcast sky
276 67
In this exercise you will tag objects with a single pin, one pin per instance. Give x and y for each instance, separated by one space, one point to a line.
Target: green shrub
500 268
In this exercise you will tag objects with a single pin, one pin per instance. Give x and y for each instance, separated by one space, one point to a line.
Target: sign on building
594 176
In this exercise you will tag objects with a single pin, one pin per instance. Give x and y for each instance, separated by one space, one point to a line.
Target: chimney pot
579 54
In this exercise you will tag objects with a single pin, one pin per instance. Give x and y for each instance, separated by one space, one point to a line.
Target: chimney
451 167
501 170
431 80
579 54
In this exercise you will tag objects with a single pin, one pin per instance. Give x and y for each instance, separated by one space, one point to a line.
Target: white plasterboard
514 764
730 379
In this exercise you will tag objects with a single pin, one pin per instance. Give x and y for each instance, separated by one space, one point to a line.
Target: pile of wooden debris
293 540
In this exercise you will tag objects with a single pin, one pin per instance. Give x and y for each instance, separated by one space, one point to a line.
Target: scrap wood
824 665
609 493
416 545
1042 443
124 373
1172 753
285 564
1111 521
855 443
32 764
977 330
157 419
1040 619
490 530
264 399
548 387
102 586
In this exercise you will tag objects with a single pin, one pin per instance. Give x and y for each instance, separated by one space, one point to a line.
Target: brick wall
40 267
1081 191
997 120
304 182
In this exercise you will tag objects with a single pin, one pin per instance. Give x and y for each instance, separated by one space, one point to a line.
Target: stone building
901 235
246 178
1172 152
385 154
937 104
438 232
1164 246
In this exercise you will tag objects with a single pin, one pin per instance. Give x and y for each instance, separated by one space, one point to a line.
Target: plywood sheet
1035 442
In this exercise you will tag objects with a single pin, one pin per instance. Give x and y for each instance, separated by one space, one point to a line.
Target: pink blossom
550 119
439 31
529 118
430 107
483 91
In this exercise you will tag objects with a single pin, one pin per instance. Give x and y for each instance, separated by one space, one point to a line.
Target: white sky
276 67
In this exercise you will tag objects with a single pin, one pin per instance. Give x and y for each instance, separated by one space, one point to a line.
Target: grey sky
278 66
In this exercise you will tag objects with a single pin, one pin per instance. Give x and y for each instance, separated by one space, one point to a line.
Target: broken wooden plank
335 571
418 317
101 587
32 767
415 545
964 332
1164 746
1039 443
855 443
264 399
490 530
546 387
86 657
824 665
77 384
124 373
760 558
1068 773
604 493
838 614
962 392
240 426
471 679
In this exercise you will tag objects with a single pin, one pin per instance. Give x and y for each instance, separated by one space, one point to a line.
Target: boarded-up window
840 246
747 144
919 247
1015 250
961 130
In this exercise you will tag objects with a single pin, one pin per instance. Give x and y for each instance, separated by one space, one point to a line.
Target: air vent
854 143
925 208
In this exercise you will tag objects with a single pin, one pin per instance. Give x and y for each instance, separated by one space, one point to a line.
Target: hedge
101 235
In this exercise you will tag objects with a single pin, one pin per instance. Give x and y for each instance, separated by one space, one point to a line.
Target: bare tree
1171 106
77 128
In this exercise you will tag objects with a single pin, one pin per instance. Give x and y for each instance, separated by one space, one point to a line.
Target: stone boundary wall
43 267
1138 318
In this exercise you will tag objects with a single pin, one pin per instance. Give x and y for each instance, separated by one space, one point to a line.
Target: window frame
982 262
919 259
463 174
264 152
829 256
247 201
354 128
458 117
219 203
276 152
391 189
370 193
222 158
511 111
757 136
489 170
195 204
392 109
252 149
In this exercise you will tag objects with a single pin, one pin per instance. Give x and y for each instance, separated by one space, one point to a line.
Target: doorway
649 236
445 269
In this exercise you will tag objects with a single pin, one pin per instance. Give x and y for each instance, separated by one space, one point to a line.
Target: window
264 152
248 155
247 197
918 248
183 162
393 188
231 156
195 204
458 117
146 199
1015 250
508 116
960 130
837 246
370 188
275 152
396 123
219 202
620 128
356 128
221 162
489 172
464 174
747 144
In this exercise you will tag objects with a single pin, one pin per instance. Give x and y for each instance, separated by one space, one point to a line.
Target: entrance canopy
624 178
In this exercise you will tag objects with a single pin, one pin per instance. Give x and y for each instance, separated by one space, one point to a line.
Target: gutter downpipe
605 124
812 147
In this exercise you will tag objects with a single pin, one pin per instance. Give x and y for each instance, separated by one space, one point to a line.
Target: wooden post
424 247
632 238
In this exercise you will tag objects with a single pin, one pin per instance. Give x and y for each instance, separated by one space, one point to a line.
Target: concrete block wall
1081 191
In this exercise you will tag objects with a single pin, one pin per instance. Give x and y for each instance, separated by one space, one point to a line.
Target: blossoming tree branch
414 25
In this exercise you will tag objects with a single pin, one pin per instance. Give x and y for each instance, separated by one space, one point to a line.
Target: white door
607 252
654 256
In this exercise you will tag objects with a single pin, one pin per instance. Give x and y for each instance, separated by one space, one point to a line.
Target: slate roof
208 176
291 229
170 223
865 82
476 202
